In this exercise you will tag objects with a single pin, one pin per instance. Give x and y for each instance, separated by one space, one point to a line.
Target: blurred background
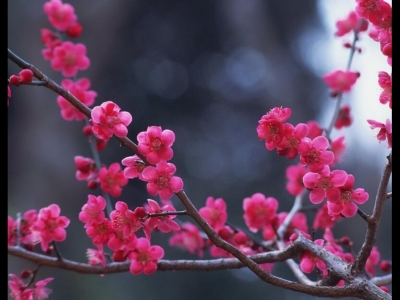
208 70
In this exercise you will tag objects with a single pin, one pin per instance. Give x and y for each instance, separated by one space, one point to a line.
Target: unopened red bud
92 184
140 212
384 288
100 144
346 241
387 49
26 76
347 45
358 74
87 130
75 30
385 265
50 250
14 80
333 94
119 256
224 233
359 50
25 274
240 238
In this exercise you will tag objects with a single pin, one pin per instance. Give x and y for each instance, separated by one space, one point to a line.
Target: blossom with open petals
144 257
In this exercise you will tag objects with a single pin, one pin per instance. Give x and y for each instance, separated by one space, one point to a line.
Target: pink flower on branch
341 81
107 119
345 205
112 179
214 212
134 167
324 184
156 144
309 261
68 58
188 238
294 175
144 257
80 90
313 153
93 210
259 211
385 82
344 119
160 180
385 131
60 15
50 225
350 23
162 223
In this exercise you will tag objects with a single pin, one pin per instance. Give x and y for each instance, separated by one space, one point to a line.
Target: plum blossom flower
322 219
340 81
156 143
41 292
50 225
80 90
345 204
162 223
86 168
309 261
93 210
60 15
107 119
324 184
134 167
294 175
385 131
270 128
337 147
112 179
188 238
259 211
145 257
214 212
373 260
96 256
313 153
69 58
314 129
160 180
350 23
292 137
385 82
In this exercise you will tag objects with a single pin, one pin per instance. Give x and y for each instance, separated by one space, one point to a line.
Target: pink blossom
324 184
23 229
372 10
294 175
373 260
145 257
40 291
299 222
60 15
19 290
107 119
313 153
214 212
385 82
162 223
100 232
156 144
112 179
271 128
80 90
259 211
134 167
345 204
292 137
385 130
350 23
309 261
50 225
337 147
188 238
86 168
341 81
314 129
124 219
322 219
160 180
96 256
69 58
93 210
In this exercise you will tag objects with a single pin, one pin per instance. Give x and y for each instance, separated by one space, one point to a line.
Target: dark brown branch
365 251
